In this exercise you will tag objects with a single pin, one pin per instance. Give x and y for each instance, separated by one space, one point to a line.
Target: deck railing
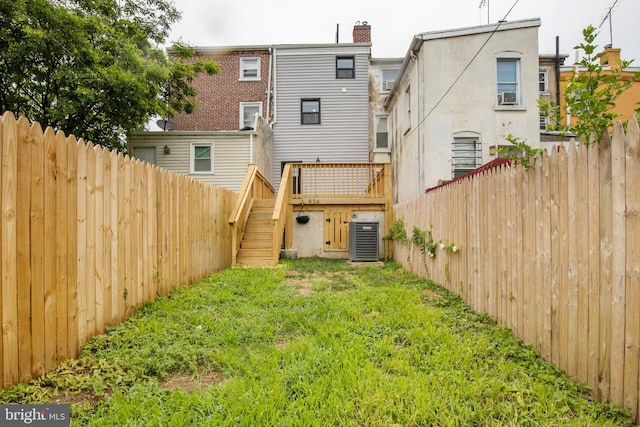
337 180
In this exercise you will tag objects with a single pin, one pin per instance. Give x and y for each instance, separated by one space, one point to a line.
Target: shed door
335 230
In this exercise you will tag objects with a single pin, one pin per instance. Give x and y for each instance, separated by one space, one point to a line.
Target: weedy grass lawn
313 343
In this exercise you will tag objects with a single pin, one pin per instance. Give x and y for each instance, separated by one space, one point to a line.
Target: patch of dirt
193 382
303 285
82 400
430 294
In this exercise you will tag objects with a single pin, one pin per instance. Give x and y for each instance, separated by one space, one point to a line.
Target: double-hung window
248 111
345 67
201 157
543 80
249 68
382 133
466 154
310 111
508 81
388 78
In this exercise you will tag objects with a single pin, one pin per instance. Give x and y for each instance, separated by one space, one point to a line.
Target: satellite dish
164 124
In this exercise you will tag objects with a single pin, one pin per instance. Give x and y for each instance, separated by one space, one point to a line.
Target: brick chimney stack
610 56
362 33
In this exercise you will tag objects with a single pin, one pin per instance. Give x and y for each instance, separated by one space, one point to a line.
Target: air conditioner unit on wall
507 98
387 85
363 241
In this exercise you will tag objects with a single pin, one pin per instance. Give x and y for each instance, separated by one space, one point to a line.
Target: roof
493 164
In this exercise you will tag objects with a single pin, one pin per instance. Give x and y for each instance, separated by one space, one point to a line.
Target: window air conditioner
507 98
387 85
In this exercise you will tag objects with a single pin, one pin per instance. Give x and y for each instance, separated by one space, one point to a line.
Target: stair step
264 203
256 262
256 244
265 222
251 228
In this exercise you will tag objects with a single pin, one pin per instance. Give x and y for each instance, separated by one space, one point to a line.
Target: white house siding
230 154
422 154
309 72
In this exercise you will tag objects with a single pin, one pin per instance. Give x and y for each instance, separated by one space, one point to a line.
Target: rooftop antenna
484 3
608 16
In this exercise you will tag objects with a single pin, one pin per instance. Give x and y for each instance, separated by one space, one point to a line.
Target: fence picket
23 250
632 311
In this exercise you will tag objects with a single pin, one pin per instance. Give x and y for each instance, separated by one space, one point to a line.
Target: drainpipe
275 78
251 148
414 57
267 115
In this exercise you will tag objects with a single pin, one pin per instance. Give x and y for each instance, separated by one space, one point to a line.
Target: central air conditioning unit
507 98
363 241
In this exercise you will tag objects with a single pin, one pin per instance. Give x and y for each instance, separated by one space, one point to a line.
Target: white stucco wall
422 148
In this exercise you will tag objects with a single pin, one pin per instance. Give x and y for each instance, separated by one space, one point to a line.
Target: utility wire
466 67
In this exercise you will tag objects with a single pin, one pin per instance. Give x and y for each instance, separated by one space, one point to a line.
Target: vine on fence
421 238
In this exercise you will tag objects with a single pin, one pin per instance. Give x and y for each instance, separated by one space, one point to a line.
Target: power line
466 67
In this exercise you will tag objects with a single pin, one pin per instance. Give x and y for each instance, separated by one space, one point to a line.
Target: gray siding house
321 104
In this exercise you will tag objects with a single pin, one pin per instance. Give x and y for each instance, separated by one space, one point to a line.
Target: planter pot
302 219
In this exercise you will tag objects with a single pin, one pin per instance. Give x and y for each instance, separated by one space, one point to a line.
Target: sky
394 23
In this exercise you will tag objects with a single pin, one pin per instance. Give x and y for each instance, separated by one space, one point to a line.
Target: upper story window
248 111
345 67
543 80
310 111
508 79
201 157
249 68
382 133
388 78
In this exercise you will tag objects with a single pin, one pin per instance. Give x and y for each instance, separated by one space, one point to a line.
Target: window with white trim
382 133
466 154
508 81
543 80
201 157
543 122
407 108
248 112
146 154
249 68
388 78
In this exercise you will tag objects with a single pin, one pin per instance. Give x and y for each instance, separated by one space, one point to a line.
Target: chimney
362 32
611 57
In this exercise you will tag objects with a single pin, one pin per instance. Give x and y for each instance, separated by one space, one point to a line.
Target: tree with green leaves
94 68
591 94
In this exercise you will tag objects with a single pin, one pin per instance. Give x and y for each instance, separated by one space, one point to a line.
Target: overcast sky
393 23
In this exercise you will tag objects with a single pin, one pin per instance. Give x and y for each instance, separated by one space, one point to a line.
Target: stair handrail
254 186
281 210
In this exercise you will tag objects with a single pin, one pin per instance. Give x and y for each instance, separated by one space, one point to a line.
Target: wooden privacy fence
88 235
553 252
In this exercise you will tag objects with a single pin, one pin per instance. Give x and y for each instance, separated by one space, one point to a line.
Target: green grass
313 343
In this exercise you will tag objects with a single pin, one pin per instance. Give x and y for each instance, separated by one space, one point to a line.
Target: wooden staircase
256 247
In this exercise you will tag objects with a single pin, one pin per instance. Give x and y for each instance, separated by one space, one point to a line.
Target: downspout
251 148
414 56
557 70
275 86
267 115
